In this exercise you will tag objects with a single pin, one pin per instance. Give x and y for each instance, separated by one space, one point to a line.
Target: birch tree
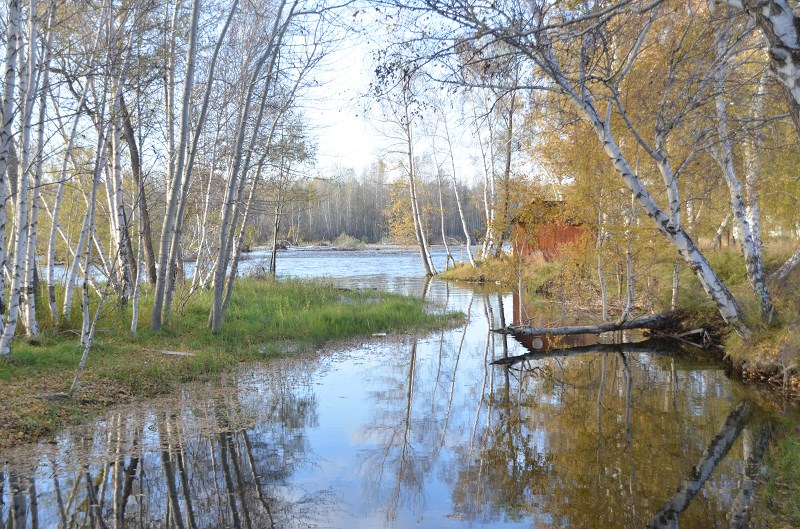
28 66
780 27
395 87
568 51
264 65
6 134
166 254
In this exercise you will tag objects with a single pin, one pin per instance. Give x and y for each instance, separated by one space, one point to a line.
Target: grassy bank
265 319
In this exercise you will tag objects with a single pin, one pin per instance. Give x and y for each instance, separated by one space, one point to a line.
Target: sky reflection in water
410 431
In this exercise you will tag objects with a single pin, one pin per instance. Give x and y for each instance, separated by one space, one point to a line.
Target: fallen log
660 321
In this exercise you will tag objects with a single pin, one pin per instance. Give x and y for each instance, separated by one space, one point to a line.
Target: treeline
369 207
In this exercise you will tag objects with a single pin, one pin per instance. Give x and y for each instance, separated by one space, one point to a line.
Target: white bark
27 96
233 187
6 138
752 161
72 275
87 330
675 285
750 249
467 236
419 229
783 272
717 239
441 218
29 312
601 277
629 278
166 253
138 279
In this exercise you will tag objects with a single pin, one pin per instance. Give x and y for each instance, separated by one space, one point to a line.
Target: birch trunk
87 331
223 255
783 272
717 240
27 96
750 249
752 162
273 256
601 276
123 252
419 229
30 321
628 307
165 252
137 281
6 138
441 219
198 281
72 275
467 237
487 167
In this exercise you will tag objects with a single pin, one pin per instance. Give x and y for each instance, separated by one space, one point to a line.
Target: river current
409 431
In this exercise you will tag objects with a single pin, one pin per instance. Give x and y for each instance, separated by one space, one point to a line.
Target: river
407 431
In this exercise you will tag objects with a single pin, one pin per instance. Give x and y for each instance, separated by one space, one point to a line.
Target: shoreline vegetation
267 319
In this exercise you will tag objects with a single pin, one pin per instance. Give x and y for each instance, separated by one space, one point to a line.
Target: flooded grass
265 319
505 271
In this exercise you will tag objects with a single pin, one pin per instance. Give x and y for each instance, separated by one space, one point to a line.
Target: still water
408 431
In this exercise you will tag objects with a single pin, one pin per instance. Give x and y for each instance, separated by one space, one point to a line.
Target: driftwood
663 320
652 347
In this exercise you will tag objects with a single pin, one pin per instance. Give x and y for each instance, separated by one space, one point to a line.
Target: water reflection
416 431
217 461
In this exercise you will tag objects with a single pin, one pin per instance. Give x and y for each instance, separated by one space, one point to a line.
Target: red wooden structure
542 229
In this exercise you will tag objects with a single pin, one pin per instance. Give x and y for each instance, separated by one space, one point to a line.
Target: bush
346 242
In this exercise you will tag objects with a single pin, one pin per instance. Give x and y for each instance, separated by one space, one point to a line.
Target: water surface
408 431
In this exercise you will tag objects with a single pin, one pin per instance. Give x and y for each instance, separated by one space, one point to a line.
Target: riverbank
266 319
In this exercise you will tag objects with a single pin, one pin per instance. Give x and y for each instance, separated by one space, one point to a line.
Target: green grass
265 319
782 492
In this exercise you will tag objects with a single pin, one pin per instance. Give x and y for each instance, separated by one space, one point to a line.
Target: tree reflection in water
558 456
416 431
146 471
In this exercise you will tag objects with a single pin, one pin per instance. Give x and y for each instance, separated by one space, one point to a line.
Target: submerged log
657 347
661 321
